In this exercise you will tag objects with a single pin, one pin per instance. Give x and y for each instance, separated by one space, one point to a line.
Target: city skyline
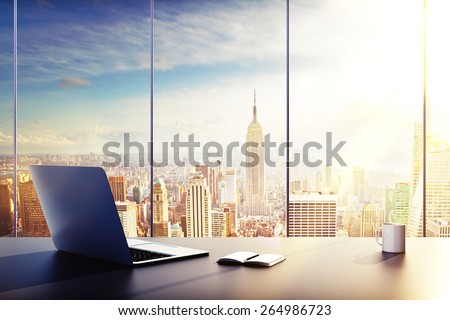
362 208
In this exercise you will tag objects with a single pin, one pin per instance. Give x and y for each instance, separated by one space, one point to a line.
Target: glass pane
356 102
220 88
6 117
84 92
438 152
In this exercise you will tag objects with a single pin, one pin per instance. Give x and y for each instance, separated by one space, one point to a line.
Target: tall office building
295 186
437 199
351 223
255 202
142 211
390 204
397 203
211 177
213 187
198 207
138 194
220 227
438 228
160 202
127 213
176 230
161 224
415 228
231 210
230 186
369 222
5 211
417 169
312 214
437 187
31 214
118 187
222 190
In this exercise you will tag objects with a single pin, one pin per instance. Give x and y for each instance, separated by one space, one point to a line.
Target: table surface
315 268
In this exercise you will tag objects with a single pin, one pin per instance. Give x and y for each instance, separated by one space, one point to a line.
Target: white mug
393 237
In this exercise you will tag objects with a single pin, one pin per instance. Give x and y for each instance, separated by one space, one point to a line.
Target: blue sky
83 69
6 76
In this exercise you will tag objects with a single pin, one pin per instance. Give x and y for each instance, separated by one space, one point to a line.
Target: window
220 85
351 102
6 118
84 87
355 101
437 169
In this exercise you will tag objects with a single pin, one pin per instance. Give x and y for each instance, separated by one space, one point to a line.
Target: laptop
82 217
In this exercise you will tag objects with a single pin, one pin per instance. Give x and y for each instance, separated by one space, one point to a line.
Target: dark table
315 268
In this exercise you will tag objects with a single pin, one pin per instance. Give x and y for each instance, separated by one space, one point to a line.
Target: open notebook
251 259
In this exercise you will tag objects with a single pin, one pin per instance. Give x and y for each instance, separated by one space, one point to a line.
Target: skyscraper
415 220
438 228
255 202
397 203
351 223
118 187
176 230
222 190
161 224
368 220
437 187
312 214
198 207
5 211
127 213
437 198
230 186
220 227
417 168
210 176
160 202
296 186
138 194
230 209
31 214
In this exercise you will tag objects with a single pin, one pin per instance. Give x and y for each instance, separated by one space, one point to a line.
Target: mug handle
376 235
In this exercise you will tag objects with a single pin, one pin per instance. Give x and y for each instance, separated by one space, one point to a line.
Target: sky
84 80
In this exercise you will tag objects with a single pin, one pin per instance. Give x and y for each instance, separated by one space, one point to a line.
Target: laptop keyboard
141 255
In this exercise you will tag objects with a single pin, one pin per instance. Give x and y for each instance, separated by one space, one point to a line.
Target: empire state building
255 203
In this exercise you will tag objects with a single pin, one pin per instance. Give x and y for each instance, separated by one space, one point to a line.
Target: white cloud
231 32
47 138
5 139
88 127
66 83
